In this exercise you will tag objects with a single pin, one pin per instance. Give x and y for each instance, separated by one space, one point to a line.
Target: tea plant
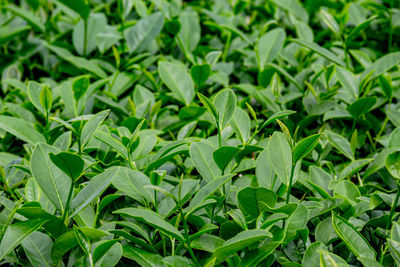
199 133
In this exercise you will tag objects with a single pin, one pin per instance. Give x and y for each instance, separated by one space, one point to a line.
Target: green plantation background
199 133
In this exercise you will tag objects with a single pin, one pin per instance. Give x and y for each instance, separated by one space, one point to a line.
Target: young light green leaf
46 99
330 21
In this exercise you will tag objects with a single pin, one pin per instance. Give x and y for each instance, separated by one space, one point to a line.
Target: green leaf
133 184
34 91
29 17
359 28
153 219
206 191
294 7
269 46
253 201
93 189
201 153
141 256
177 80
287 75
84 37
91 126
353 167
240 241
255 256
241 124
382 65
340 143
225 105
21 129
46 99
79 6
362 106
352 238
392 163
189 34
106 138
208 105
305 146
37 247
139 36
348 80
71 164
223 156
330 21
107 253
68 241
51 179
277 115
16 233
280 156
320 51
200 73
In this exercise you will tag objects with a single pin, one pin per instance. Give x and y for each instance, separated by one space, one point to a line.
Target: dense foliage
199 133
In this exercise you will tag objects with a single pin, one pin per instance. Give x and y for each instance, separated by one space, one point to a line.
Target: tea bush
199 133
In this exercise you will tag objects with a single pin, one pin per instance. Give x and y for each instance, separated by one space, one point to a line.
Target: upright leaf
280 156
139 36
177 80
225 105
51 179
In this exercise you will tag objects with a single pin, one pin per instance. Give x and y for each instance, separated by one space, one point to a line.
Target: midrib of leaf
284 160
206 163
78 208
54 184
177 88
38 250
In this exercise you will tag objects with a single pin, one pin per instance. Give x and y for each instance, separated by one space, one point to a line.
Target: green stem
71 190
85 36
290 184
394 205
219 136
390 39
227 45
188 240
